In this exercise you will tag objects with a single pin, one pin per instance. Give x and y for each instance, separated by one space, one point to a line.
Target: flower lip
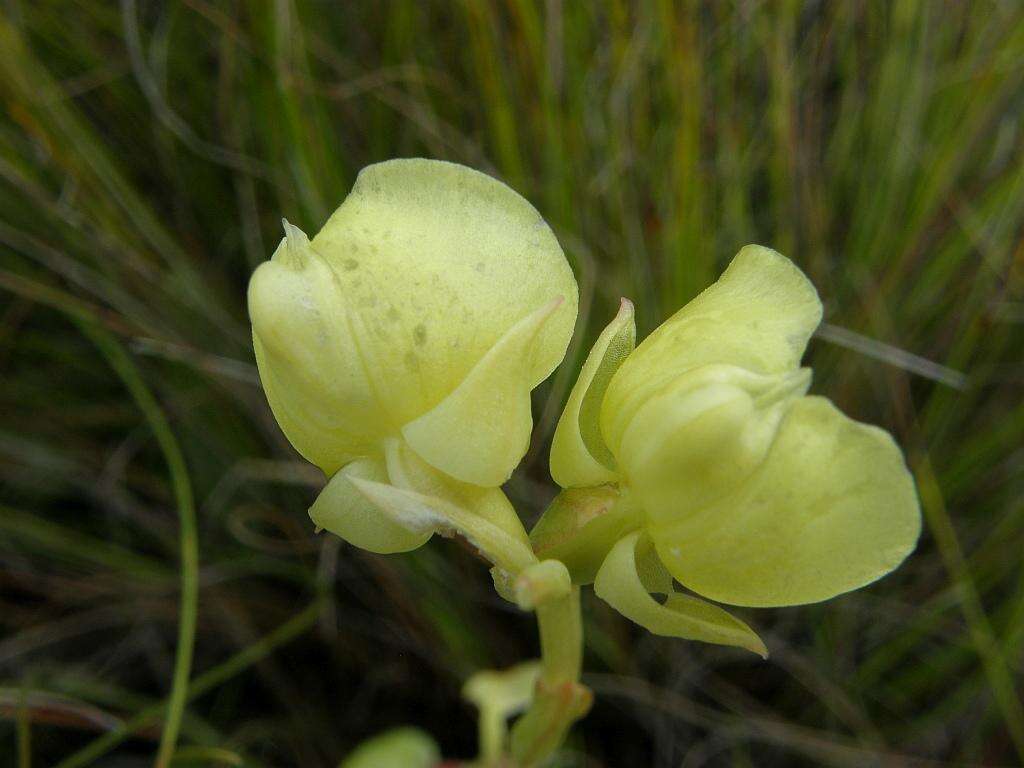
707 386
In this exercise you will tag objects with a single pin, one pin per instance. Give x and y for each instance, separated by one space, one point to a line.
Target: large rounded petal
759 316
437 262
579 455
832 508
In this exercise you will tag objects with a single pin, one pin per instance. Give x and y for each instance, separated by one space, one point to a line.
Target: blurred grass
147 153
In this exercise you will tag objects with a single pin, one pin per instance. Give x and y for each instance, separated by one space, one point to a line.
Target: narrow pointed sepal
296 246
620 584
480 431
579 455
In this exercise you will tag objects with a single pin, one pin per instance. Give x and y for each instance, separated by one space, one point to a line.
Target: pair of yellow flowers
398 350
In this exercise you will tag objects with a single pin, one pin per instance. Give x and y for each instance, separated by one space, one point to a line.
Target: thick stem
561 638
560 700
491 733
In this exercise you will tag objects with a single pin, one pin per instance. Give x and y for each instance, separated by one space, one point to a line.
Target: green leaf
619 584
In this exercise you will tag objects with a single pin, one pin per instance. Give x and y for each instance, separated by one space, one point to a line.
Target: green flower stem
491 733
561 638
560 700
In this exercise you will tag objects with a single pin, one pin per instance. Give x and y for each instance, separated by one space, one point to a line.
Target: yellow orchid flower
697 456
399 346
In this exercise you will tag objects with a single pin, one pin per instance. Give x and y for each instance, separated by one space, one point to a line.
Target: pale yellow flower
698 456
400 344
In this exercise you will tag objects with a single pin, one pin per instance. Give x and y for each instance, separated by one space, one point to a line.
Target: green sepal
581 526
579 455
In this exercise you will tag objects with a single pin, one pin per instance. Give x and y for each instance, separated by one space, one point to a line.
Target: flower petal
500 694
694 442
832 508
579 456
503 693
426 514
344 511
620 585
479 433
436 263
759 316
407 470
308 359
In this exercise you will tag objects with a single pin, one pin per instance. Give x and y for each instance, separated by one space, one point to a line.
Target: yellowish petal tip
318 530
296 245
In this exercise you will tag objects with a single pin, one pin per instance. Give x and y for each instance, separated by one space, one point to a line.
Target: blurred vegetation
148 151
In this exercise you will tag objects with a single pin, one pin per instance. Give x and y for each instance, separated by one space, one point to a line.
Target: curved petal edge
579 455
620 584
